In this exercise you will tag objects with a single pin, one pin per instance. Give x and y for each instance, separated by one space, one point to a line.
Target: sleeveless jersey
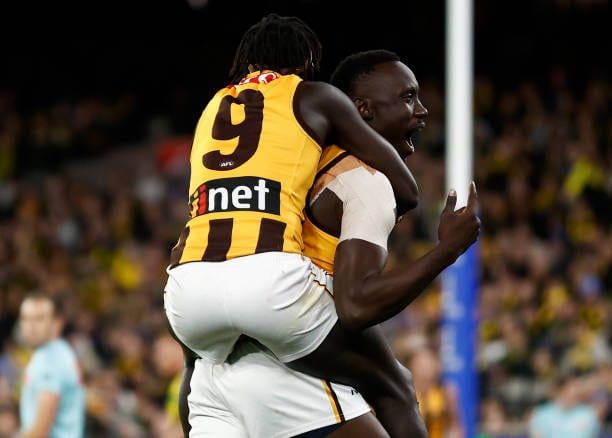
320 245
252 164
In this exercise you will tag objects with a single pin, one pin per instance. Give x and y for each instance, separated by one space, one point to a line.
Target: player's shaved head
354 67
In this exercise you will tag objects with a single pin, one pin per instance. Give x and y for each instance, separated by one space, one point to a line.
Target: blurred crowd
543 161
97 233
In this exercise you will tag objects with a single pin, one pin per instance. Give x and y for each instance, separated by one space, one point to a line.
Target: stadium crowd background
94 140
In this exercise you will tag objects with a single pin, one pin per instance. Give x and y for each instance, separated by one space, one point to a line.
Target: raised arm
330 116
366 296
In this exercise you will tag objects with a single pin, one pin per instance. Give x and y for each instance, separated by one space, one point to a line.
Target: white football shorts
280 299
254 395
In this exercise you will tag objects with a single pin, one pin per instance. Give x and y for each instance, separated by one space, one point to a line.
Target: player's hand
458 230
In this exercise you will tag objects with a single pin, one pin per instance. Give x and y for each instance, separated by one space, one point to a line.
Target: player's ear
364 106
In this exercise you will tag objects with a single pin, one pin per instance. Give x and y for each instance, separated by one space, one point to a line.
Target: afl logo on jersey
248 193
263 78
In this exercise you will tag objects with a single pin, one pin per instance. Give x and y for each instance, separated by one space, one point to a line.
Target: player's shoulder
335 162
586 411
348 163
544 411
59 351
319 87
40 361
349 177
345 162
319 93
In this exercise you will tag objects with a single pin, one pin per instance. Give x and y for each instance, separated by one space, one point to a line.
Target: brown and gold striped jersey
252 164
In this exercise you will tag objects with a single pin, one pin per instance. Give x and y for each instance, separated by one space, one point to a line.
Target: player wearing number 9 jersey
351 216
252 165
238 266
254 156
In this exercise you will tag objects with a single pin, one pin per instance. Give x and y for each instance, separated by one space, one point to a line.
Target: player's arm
46 409
365 295
333 118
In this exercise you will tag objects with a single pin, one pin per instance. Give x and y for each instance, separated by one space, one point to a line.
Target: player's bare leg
364 361
364 426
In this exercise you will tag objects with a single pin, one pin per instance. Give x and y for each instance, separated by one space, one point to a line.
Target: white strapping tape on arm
368 205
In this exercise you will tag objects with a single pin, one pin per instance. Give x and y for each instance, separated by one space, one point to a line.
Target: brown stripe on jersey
331 164
350 163
177 251
219 240
270 236
320 183
322 178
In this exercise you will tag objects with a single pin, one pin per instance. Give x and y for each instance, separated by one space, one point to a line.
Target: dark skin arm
365 295
331 117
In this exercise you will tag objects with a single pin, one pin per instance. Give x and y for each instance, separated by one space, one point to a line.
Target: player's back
252 164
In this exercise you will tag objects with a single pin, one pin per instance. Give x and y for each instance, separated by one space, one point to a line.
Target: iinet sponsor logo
248 193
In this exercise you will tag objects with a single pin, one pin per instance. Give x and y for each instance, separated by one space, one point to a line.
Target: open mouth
410 143
411 133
